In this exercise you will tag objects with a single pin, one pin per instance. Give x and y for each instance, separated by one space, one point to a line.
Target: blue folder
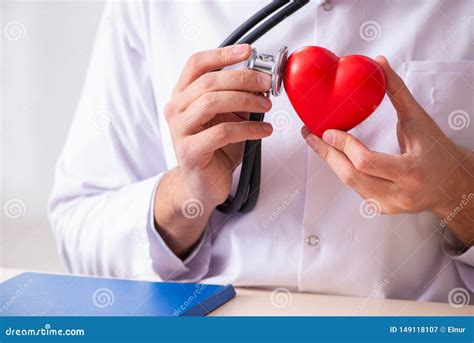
36 294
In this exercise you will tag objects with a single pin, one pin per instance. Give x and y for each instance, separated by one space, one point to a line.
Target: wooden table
254 302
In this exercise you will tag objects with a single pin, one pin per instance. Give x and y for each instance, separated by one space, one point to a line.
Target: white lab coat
308 231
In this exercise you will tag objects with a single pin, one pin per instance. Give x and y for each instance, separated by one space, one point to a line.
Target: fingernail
305 132
313 143
328 137
264 80
263 101
240 49
267 127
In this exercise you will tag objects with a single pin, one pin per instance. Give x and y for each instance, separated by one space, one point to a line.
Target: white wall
42 75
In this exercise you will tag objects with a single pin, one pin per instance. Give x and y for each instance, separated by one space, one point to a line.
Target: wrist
175 200
457 219
457 184
189 194
179 217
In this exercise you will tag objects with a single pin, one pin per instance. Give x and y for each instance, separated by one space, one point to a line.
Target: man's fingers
398 92
415 127
210 60
220 135
378 164
239 80
364 184
208 105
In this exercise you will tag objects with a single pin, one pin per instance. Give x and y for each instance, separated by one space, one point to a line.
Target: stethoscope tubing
248 188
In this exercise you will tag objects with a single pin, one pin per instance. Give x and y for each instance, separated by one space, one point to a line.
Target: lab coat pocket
445 90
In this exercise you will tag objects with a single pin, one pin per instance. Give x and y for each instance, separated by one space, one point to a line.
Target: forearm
460 219
90 229
457 214
180 217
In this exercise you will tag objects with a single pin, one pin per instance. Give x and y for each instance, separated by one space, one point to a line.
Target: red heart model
329 92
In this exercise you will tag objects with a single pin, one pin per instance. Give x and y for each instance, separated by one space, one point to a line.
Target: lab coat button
312 240
327 5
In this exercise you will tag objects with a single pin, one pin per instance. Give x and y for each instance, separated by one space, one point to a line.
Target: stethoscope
248 189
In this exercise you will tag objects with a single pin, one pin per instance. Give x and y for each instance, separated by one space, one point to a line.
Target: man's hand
430 173
208 120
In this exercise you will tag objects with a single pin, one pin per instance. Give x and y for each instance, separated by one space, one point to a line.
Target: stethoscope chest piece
272 65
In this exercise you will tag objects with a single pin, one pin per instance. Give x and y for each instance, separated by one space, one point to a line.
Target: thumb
402 100
413 121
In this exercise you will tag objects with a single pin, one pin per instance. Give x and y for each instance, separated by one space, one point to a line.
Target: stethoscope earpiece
271 65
